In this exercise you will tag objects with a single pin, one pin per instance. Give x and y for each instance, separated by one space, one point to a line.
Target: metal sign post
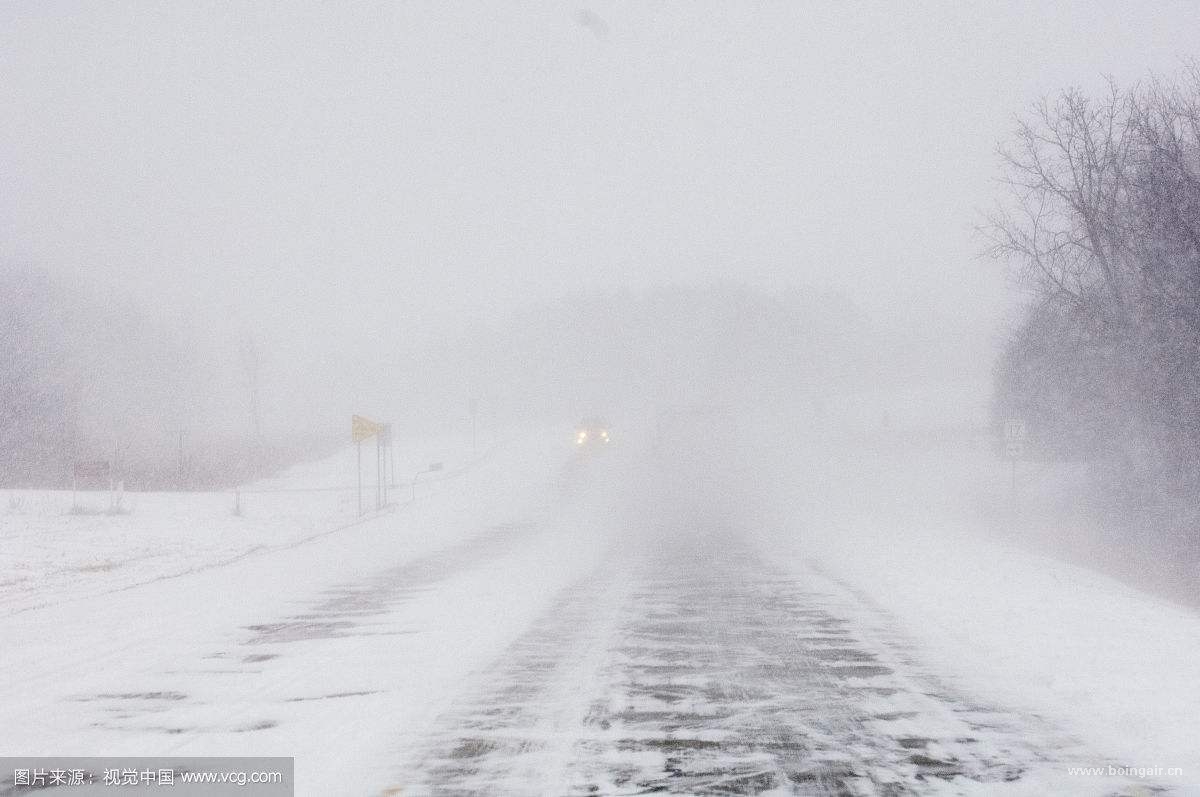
391 456
1014 446
434 467
362 428
182 469
385 449
95 470
473 406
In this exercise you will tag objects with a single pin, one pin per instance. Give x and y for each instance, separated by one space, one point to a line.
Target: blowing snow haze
343 183
774 398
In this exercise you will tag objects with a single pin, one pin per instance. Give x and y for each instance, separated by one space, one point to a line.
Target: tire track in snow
354 609
515 732
350 609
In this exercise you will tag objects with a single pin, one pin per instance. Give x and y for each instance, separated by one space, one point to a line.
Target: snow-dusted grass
914 527
52 553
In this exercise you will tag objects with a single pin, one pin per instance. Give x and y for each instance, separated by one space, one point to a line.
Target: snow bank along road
544 624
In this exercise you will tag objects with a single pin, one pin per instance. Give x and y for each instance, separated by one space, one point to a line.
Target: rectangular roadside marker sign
361 428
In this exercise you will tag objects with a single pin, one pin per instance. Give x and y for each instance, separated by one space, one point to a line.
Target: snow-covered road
541 624
701 669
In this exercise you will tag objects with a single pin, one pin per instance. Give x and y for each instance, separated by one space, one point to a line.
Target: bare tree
1101 217
1067 172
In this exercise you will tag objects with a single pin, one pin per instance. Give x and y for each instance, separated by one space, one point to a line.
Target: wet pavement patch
858 671
473 748
839 654
333 696
668 744
892 716
297 630
912 742
136 696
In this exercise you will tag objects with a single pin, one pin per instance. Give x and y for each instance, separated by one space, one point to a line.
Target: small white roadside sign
1014 438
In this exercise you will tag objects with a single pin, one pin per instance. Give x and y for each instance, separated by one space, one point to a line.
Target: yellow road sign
361 428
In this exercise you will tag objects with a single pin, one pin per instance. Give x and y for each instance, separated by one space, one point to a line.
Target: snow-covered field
52 553
802 615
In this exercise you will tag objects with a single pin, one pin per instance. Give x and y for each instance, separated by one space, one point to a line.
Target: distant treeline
1102 218
603 352
95 379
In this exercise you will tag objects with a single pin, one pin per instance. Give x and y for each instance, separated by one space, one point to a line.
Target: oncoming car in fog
591 432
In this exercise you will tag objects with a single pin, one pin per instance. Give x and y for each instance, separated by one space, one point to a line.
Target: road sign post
362 428
473 406
385 454
379 497
1014 446
434 467
93 470
391 456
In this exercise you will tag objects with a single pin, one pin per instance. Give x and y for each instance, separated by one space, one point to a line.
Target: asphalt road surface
698 668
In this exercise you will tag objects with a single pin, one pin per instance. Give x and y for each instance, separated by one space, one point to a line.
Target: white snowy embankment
913 524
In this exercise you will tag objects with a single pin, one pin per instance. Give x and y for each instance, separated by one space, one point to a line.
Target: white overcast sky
354 170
